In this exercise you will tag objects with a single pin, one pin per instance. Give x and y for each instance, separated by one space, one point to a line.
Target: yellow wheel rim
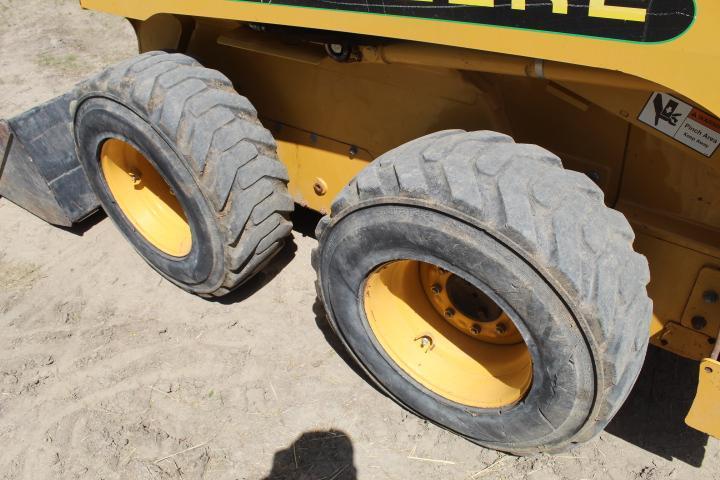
145 198
447 335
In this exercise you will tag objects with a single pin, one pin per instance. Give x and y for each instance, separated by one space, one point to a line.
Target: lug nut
426 342
500 328
135 176
710 296
436 288
698 322
450 312
320 187
476 329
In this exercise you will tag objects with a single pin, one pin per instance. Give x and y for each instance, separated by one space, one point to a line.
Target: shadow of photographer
326 454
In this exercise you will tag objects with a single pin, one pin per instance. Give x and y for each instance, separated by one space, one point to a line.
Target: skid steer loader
500 179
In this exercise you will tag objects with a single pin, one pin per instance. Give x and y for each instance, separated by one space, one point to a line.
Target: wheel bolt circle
449 312
436 288
476 329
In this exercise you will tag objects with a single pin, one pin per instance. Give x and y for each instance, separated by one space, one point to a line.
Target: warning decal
685 123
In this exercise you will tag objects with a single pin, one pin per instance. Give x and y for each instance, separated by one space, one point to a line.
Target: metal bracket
684 341
702 312
704 415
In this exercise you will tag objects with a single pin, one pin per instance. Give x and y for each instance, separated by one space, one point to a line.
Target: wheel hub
467 308
145 198
447 335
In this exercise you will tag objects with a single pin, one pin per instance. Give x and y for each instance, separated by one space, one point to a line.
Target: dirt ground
108 371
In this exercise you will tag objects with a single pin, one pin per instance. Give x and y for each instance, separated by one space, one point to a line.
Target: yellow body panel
317 165
704 414
689 64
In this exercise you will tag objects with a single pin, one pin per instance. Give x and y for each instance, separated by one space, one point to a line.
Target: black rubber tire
537 239
207 143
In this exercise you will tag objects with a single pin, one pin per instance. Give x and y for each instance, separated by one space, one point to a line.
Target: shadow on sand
318 454
653 417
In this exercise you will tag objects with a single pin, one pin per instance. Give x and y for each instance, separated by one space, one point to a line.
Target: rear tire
537 239
216 159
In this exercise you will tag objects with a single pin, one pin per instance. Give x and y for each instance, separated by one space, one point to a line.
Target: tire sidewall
563 388
98 119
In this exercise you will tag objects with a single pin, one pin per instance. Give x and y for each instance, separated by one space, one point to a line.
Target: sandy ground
108 371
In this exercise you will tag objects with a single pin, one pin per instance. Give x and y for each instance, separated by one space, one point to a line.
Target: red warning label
705 119
683 122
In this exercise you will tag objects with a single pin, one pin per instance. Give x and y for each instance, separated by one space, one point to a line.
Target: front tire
184 168
506 226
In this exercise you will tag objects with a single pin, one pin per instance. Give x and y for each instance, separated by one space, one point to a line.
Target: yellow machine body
667 63
598 101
